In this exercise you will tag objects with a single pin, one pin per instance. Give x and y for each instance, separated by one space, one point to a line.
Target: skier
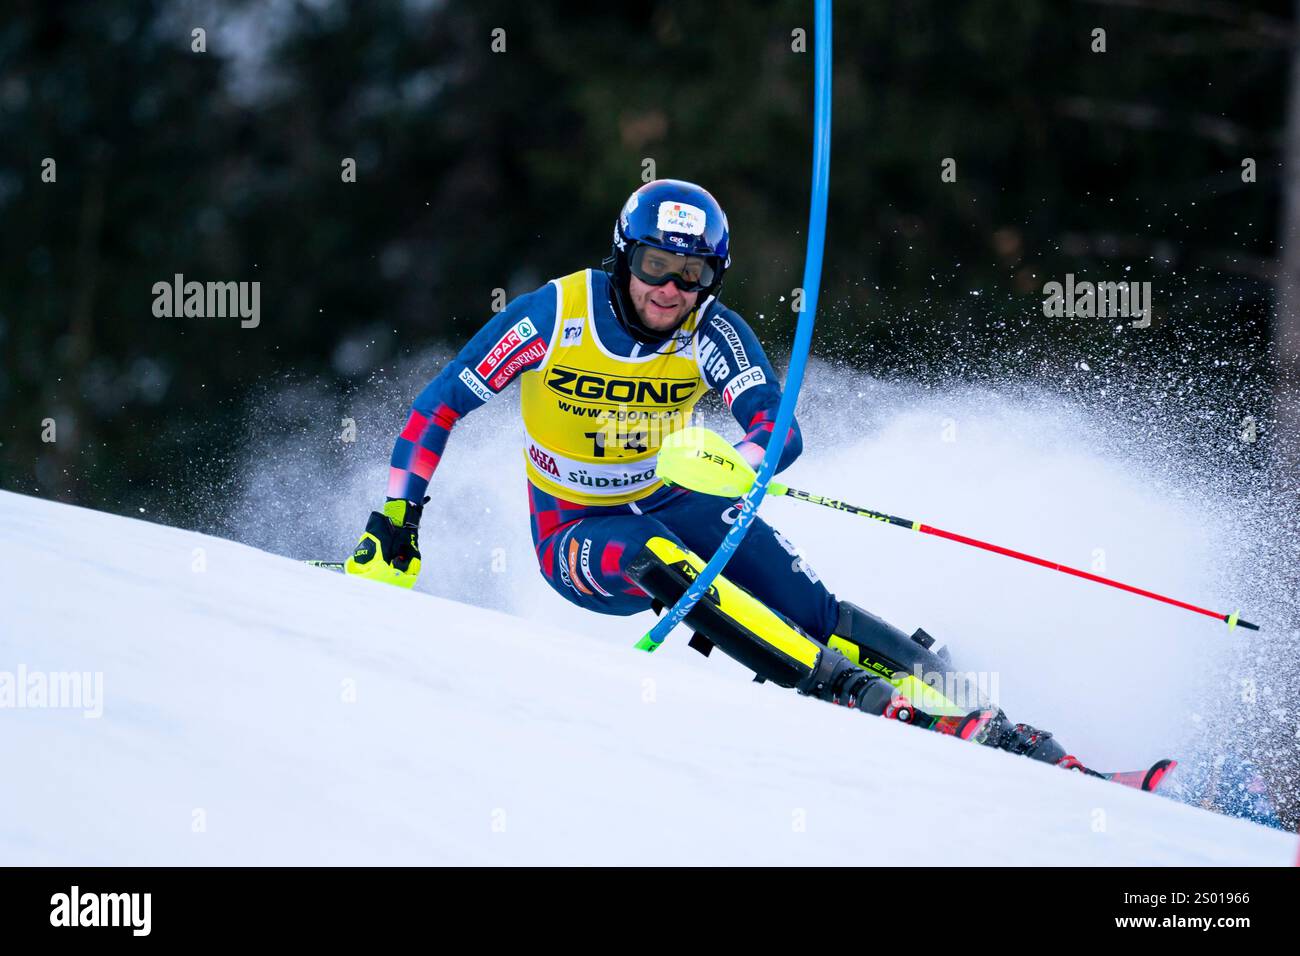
611 362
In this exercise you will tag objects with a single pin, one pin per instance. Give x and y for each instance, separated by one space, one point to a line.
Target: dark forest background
495 141
480 170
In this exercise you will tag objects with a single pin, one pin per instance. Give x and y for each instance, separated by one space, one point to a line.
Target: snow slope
259 711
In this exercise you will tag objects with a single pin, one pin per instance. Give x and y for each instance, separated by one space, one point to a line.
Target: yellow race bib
595 420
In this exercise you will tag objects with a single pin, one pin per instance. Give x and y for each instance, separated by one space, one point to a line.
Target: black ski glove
389 550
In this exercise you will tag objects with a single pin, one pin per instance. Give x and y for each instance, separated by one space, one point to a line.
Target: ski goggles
655 266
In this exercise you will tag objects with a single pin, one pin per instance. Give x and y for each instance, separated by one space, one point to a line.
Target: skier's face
660 307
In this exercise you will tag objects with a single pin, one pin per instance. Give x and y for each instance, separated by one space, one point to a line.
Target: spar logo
528 356
544 462
523 331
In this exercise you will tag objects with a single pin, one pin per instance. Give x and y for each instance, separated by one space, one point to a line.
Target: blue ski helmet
678 217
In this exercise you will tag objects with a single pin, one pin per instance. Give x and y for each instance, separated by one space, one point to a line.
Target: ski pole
704 461
327 565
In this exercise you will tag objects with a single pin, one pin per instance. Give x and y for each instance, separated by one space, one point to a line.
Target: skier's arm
733 363
514 341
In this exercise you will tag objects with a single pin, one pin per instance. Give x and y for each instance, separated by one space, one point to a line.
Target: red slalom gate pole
1232 620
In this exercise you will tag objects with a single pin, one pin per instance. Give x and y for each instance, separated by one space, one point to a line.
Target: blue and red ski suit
582 546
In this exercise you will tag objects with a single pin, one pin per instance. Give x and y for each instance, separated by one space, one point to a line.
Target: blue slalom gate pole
812 271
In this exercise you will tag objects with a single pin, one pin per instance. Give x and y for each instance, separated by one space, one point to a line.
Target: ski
1148 780
975 726
981 725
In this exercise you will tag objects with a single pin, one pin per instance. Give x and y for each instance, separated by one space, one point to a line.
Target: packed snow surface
252 710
